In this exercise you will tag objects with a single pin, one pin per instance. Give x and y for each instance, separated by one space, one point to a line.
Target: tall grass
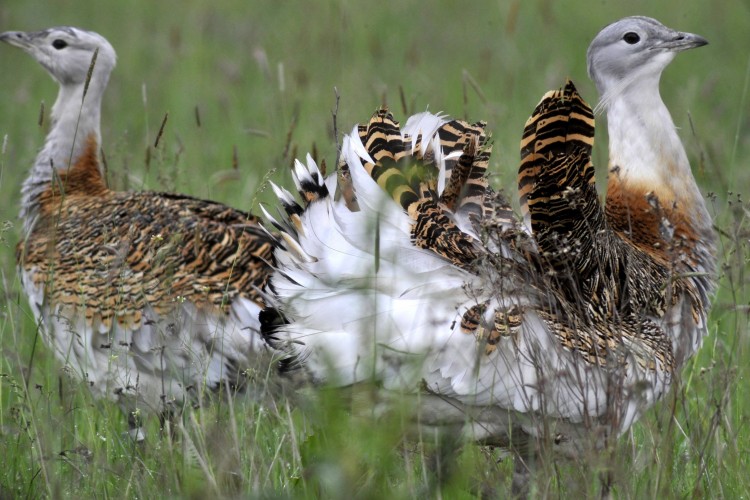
248 88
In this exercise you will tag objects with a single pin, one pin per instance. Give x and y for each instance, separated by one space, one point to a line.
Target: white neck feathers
645 150
643 143
74 119
647 158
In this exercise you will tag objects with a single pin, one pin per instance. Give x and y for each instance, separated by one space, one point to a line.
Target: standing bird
563 329
148 297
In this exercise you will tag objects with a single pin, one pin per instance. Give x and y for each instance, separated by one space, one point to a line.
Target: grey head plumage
634 50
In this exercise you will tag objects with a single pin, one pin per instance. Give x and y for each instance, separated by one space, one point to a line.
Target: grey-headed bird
564 326
149 297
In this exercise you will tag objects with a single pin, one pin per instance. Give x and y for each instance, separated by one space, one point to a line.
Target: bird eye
631 38
59 44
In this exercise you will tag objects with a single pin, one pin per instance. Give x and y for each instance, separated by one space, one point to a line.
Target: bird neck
74 130
652 197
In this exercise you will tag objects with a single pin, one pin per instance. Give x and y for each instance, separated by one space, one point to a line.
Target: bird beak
682 41
16 38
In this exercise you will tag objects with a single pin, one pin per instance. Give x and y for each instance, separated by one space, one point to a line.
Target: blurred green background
248 67
249 85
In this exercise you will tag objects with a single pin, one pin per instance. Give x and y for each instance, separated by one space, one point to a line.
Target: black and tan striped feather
411 179
556 181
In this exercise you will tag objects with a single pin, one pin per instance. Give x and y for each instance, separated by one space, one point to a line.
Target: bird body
149 297
566 326
480 335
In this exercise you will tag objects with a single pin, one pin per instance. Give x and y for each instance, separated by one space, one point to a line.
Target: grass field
250 85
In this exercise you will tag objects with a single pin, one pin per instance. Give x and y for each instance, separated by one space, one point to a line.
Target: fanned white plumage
369 304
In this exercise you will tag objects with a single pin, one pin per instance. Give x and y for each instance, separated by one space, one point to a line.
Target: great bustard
568 326
149 297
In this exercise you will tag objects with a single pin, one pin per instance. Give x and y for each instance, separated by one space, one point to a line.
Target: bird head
66 53
632 50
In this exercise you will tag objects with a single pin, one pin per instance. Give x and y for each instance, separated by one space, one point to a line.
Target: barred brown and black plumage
144 249
148 297
556 178
402 169
602 292
593 264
